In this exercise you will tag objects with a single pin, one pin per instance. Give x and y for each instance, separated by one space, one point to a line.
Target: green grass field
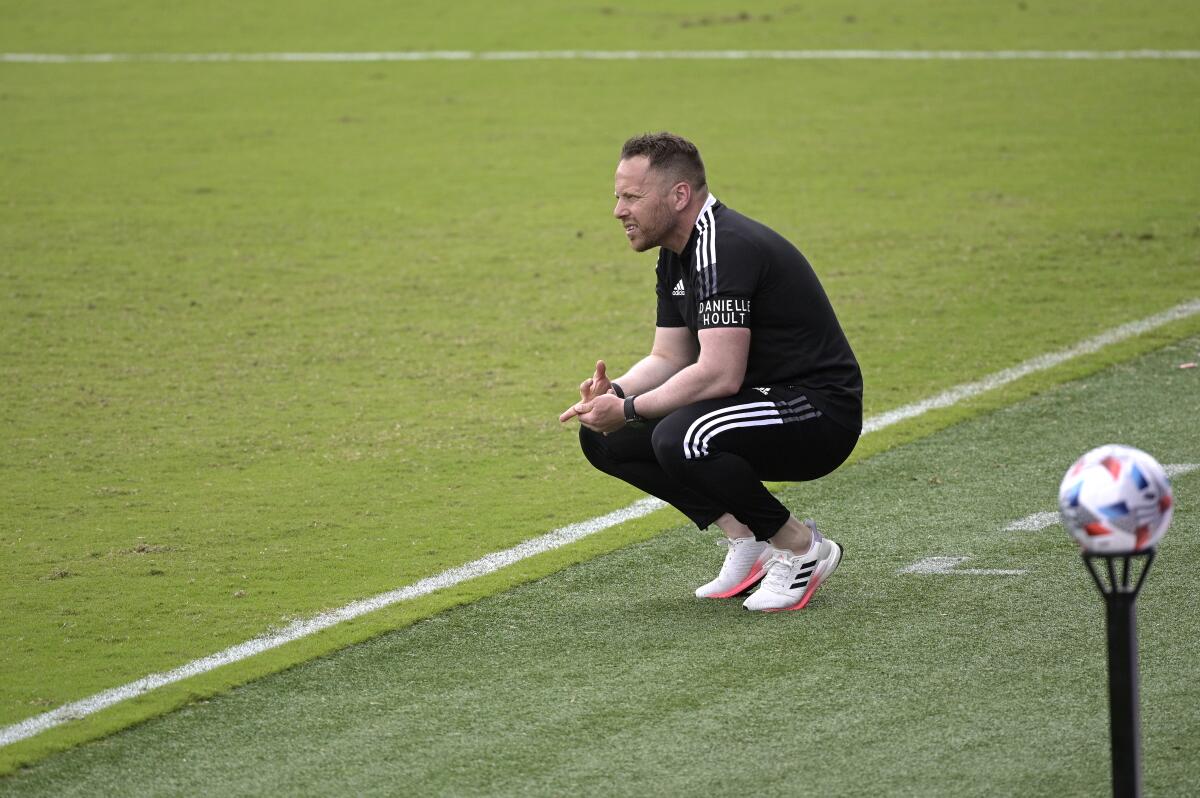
610 678
276 337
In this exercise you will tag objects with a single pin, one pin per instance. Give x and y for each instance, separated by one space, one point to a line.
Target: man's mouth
629 228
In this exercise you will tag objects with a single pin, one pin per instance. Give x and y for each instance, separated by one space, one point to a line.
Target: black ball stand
1119 581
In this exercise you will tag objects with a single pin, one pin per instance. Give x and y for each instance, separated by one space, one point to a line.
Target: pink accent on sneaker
756 573
817 580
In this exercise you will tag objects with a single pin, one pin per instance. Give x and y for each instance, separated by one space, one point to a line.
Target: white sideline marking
1032 523
1031 366
1038 521
946 565
553 540
608 55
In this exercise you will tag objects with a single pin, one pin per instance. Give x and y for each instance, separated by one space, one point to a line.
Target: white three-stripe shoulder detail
706 252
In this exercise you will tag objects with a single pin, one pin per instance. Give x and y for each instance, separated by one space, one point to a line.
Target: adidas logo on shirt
678 290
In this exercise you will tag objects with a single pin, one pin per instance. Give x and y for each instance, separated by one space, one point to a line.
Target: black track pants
711 458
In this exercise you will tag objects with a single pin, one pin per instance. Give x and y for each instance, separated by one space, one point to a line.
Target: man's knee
667 441
594 448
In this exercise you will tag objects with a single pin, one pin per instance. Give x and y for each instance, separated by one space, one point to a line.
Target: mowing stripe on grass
304 628
1040 363
552 540
613 55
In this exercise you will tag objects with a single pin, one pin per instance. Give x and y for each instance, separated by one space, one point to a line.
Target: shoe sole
818 580
753 578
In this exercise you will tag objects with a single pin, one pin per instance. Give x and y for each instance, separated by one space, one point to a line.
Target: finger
576 410
600 369
585 389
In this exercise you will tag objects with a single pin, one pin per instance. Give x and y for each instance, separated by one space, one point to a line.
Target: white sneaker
745 563
792 579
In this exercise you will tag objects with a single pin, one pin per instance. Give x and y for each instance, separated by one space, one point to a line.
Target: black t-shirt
736 272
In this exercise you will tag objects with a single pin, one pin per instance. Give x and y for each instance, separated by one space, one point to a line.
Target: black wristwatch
617 390
631 416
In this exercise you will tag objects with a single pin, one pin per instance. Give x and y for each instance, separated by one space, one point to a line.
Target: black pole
1124 722
1123 695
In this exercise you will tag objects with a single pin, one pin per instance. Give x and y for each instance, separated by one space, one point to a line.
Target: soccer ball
1116 500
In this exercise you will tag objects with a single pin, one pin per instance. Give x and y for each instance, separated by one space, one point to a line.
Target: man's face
643 204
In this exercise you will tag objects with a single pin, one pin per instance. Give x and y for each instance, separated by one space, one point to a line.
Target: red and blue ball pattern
1116 500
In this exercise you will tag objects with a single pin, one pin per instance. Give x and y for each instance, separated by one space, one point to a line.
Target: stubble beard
651 237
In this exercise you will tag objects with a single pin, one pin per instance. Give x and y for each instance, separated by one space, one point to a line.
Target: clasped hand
597 409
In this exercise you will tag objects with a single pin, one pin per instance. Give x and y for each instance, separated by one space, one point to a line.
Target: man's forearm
691 384
647 374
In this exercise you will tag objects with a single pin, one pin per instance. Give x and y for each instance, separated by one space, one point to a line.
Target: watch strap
631 414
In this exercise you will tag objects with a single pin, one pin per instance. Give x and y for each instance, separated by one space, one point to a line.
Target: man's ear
681 194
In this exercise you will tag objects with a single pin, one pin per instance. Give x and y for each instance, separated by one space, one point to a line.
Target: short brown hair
674 155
